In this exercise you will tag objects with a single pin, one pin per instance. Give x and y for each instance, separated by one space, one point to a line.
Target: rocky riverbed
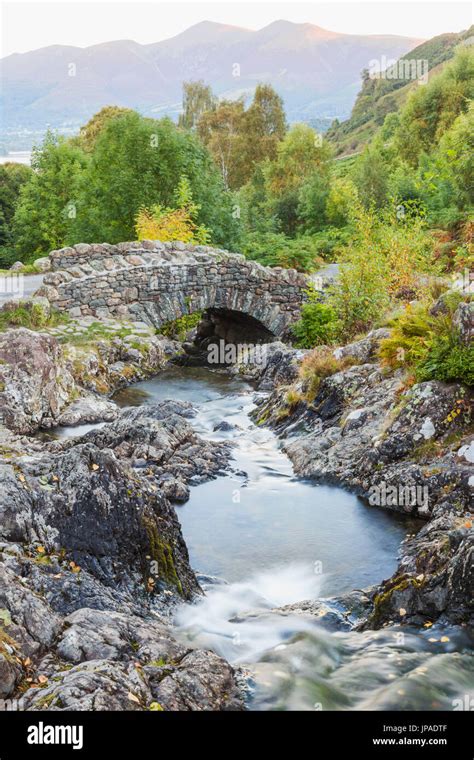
405 449
92 558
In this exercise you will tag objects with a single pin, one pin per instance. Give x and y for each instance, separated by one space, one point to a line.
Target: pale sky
34 24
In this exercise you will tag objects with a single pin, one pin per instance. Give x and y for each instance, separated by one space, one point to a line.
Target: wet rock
92 564
104 635
88 409
201 681
223 426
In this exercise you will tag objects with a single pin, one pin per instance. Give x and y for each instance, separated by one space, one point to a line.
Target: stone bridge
159 282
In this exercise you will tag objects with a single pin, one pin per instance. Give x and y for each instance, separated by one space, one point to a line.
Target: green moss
263 417
162 553
178 328
158 663
382 600
96 331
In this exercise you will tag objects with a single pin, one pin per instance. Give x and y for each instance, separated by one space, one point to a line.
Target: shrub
449 360
318 324
178 328
276 249
167 224
384 259
428 346
30 315
317 365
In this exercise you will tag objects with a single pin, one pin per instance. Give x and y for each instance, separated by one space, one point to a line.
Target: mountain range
316 71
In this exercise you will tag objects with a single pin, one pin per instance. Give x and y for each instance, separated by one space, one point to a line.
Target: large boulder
34 385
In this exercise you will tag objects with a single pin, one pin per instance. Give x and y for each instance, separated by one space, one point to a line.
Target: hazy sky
30 25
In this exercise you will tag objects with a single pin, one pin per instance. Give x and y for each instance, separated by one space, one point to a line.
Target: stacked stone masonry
159 282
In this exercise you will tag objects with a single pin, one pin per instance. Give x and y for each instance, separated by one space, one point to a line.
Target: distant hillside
316 71
382 95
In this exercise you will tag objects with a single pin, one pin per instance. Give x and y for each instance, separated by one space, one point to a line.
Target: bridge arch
159 282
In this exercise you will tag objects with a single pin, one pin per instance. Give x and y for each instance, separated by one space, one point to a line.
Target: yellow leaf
427 625
133 698
40 549
444 639
42 679
21 478
95 467
402 611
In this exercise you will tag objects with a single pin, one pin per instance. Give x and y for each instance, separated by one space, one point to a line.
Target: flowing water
273 539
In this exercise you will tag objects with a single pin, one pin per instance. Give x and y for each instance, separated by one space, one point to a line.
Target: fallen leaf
95 467
468 524
21 478
40 549
402 611
27 662
444 638
427 625
133 698
42 679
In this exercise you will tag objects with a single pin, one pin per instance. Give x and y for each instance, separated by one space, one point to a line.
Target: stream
261 538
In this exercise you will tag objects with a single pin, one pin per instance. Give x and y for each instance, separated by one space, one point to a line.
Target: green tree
89 133
138 162
342 201
448 173
312 200
371 177
432 108
197 99
263 126
221 132
49 199
300 155
12 178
